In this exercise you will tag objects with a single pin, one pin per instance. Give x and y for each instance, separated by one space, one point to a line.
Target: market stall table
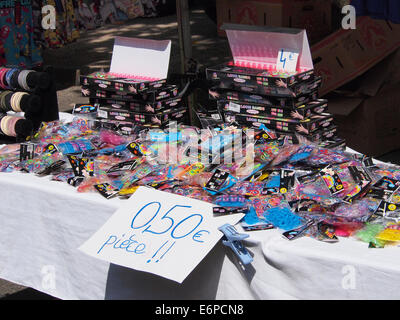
44 222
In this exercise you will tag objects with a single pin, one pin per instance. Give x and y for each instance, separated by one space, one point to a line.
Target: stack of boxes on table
135 92
271 82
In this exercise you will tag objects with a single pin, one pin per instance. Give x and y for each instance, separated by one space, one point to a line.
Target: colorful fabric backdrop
22 37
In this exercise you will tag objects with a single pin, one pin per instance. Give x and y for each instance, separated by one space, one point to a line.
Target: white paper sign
234 107
160 233
287 60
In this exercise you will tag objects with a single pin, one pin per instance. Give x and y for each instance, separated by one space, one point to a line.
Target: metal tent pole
185 41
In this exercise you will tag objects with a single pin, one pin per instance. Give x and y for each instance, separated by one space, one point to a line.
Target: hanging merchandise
19 102
67 24
131 8
149 7
73 16
17 46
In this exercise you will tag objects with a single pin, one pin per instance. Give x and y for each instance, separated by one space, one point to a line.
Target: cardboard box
372 125
137 65
346 54
312 15
304 111
255 68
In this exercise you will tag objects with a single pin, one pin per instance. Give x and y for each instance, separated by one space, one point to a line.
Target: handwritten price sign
160 233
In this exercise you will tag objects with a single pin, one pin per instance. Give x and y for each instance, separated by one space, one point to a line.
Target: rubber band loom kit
135 90
309 187
27 98
271 81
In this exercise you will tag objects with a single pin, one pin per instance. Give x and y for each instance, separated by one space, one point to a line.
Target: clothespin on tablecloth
233 239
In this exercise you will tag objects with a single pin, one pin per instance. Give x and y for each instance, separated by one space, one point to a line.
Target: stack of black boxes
139 96
254 89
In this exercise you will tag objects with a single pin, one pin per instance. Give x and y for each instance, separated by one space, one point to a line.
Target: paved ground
93 51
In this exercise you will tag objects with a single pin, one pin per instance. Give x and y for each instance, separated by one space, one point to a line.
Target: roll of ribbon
3 105
16 101
9 75
11 126
22 76
3 125
13 102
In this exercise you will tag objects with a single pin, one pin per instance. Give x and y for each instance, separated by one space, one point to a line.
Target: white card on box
287 60
142 58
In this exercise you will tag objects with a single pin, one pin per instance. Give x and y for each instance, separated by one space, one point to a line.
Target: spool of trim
20 101
16 101
13 126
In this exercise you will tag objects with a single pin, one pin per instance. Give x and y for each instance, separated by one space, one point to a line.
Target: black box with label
306 126
288 102
301 112
159 119
164 105
266 60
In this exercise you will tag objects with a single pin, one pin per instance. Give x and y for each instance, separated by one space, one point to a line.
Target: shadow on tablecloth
202 284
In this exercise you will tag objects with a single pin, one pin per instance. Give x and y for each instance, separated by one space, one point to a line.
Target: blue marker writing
129 245
283 60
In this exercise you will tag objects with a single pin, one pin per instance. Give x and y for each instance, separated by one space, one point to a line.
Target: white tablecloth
42 223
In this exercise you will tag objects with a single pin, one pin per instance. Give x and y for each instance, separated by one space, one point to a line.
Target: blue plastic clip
234 241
